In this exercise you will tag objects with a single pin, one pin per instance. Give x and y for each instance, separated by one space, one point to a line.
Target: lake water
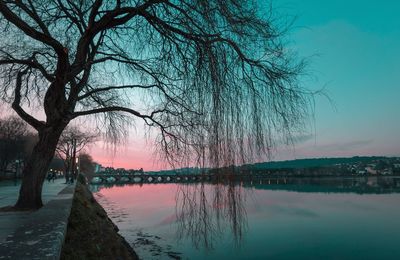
341 218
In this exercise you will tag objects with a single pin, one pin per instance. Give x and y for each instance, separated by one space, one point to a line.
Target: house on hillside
362 172
388 171
371 170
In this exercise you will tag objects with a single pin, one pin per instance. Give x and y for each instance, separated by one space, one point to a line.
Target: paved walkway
9 191
24 234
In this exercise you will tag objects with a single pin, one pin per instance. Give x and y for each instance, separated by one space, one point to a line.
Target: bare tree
72 140
214 77
13 138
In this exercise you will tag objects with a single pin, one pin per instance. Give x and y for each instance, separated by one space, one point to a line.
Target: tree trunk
34 172
67 168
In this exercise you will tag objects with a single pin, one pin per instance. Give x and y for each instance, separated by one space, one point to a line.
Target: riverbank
90 232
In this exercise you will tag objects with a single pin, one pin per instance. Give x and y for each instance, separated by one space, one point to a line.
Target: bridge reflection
360 185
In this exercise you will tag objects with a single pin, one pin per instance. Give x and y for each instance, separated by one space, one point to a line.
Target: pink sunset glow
137 153
132 199
134 154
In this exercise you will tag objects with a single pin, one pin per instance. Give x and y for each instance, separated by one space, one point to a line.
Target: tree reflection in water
204 212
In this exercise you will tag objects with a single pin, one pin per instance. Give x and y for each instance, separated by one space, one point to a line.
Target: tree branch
33 14
17 107
150 117
31 32
32 63
108 109
94 91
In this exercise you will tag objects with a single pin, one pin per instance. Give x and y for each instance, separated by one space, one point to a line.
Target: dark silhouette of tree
87 165
72 137
214 77
13 140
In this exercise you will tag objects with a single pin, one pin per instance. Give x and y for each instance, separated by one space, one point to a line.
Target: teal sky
354 52
354 49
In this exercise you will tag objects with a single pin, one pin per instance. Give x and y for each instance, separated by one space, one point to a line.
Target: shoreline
90 232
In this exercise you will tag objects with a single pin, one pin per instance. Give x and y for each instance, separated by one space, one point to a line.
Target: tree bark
34 172
67 171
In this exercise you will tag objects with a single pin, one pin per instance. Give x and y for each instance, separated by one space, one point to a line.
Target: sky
354 51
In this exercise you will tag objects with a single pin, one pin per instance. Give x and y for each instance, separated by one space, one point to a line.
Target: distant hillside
309 163
189 170
292 164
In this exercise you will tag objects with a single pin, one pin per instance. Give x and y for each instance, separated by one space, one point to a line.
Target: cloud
344 146
303 138
297 139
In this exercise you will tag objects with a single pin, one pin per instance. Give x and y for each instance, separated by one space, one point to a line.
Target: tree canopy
214 77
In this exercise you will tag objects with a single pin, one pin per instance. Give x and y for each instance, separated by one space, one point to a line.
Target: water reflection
360 185
215 215
204 212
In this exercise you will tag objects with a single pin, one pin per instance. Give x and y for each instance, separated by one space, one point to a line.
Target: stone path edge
42 234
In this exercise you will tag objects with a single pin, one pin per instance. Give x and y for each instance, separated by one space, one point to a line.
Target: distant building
361 172
388 171
97 167
371 170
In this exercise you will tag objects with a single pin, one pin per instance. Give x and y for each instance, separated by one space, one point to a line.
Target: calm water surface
302 219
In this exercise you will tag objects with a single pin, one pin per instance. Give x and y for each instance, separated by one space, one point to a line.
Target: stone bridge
147 178
178 178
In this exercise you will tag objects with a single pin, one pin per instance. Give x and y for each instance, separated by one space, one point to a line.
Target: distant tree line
17 140
72 142
314 162
16 143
